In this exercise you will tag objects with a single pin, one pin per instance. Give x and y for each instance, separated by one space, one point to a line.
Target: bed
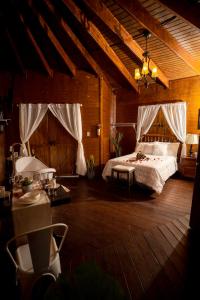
159 164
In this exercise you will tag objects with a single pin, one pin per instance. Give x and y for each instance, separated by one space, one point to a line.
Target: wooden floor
141 239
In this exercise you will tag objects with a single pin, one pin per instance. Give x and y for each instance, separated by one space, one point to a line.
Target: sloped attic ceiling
101 37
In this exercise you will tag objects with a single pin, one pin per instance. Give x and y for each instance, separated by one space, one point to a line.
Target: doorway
54 146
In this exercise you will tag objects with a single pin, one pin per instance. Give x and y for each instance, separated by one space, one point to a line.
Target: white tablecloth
31 216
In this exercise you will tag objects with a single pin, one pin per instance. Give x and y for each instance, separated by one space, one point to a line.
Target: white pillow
160 149
146 148
172 149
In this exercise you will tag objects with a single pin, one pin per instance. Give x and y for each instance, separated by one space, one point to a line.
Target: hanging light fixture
145 76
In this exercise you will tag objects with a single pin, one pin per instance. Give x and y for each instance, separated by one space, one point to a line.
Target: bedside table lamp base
190 152
192 139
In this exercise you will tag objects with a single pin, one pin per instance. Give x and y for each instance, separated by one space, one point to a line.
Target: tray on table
60 196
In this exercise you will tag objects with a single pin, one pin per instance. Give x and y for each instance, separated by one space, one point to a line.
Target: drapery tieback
23 149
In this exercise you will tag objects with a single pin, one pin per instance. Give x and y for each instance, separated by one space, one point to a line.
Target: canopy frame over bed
175 115
160 158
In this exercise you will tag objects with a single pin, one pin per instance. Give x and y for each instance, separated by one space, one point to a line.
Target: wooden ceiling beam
100 40
36 46
189 11
75 40
66 59
115 26
15 51
144 18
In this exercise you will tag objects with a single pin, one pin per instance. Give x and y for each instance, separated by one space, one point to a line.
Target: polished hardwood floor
141 239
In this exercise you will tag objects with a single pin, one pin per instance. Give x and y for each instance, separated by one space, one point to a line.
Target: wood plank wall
2 157
53 145
187 90
126 111
5 80
84 89
106 112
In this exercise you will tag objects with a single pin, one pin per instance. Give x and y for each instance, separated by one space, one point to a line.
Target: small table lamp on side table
192 139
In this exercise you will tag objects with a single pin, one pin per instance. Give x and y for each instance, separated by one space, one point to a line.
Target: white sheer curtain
175 114
30 116
146 116
69 116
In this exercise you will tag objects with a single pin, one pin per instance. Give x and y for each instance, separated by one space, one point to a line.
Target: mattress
152 172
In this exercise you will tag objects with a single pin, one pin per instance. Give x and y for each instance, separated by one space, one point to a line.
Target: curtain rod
48 103
164 103
123 125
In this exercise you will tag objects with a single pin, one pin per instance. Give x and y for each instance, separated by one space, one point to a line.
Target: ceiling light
146 76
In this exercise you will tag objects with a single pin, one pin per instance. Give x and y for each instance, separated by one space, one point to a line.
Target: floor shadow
192 281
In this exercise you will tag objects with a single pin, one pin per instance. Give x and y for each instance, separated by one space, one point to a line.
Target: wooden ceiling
101 37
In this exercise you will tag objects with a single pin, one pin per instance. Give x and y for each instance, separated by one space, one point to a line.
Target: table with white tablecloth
30 215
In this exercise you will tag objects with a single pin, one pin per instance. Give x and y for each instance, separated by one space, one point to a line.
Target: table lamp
192 139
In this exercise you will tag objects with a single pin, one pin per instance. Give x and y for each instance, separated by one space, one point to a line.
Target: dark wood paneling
106 110
2 158
126 111
195 210
53 145
6 105
160 125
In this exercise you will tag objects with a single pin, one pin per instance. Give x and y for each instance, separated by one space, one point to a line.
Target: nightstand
187 166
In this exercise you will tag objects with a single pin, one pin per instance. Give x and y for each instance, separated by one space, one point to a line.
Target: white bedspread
152 173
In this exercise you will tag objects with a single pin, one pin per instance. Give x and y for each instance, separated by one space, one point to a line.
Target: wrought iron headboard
162 138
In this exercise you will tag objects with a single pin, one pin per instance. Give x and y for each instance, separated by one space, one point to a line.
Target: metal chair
41 285
36 253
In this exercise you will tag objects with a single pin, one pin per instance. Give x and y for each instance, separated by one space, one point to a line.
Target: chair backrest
41 285
40 243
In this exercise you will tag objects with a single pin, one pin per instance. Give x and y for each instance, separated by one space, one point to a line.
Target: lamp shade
192 139
145 68
154 72
137 74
